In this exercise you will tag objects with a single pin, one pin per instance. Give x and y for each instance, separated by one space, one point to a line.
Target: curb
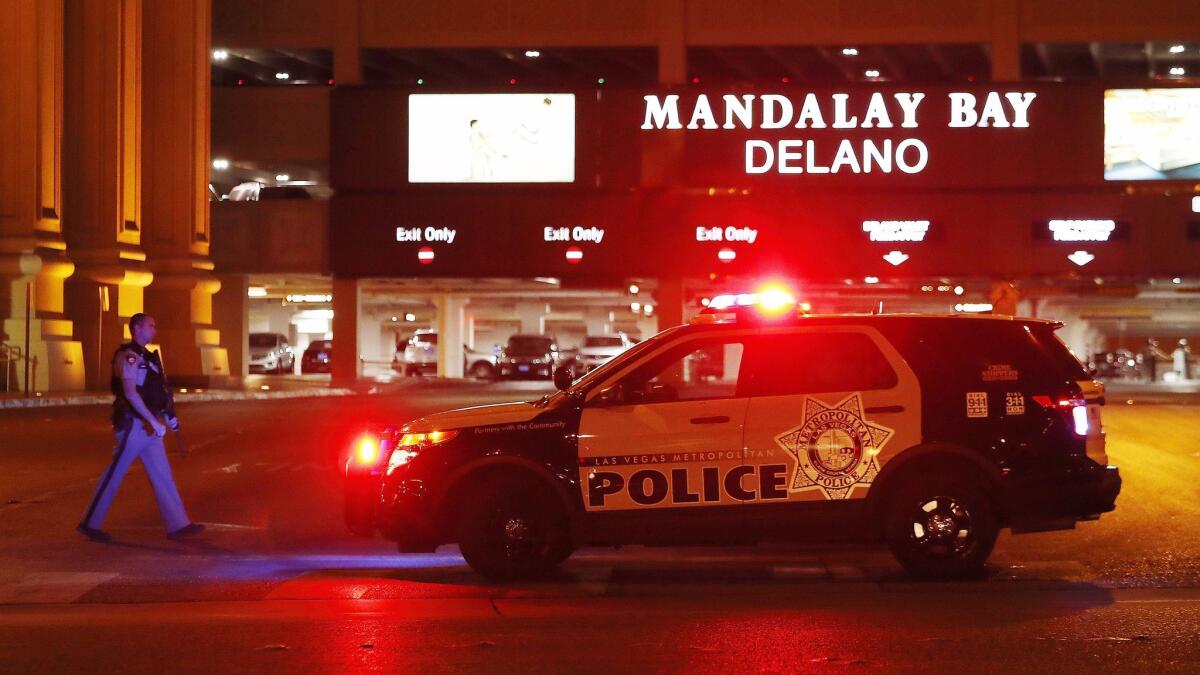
191 397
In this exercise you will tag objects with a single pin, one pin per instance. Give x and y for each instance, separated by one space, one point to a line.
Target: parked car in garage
317 357
271 353
529 356
418 356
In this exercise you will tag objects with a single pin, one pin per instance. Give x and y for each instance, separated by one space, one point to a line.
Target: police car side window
807 363
695 371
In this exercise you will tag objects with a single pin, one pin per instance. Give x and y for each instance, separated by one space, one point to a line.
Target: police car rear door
662 443
829 406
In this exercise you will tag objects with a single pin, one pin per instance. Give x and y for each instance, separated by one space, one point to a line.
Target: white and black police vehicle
758 423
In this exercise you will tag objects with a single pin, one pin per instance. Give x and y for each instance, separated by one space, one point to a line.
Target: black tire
483 371
513 530
941 527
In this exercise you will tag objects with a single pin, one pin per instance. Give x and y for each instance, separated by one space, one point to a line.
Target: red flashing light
331 81
513 81
785 79
425 255
574 255
241 82
695 80
367 449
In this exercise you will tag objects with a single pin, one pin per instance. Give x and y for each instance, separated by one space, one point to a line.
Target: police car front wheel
513 530
941 527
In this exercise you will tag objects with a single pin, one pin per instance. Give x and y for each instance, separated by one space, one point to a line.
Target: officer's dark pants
137 443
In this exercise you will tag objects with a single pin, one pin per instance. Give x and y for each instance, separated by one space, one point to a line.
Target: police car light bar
770 302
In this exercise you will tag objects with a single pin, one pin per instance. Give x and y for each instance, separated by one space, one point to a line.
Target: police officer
142 411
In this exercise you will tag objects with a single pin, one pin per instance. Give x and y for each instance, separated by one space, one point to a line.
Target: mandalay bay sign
837 133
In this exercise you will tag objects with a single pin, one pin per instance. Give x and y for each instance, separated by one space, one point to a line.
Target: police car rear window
805 363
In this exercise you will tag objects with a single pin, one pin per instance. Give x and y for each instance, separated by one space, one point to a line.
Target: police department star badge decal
835 447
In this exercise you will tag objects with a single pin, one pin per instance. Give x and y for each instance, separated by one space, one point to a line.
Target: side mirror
563 378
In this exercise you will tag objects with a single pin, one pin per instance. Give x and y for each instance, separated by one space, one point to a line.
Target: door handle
885 409
718 419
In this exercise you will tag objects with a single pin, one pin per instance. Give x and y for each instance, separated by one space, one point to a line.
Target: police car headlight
411 444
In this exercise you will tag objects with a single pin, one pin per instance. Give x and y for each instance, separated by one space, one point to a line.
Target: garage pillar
231 316
533 317
347 312
598 321
451 326
669 296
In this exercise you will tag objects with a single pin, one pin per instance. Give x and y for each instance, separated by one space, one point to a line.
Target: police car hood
478 416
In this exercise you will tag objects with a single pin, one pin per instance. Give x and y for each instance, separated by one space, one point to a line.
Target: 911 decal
835 448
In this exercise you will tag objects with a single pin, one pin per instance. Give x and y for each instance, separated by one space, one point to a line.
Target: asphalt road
277 583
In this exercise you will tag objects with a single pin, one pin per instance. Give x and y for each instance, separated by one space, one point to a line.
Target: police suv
758 423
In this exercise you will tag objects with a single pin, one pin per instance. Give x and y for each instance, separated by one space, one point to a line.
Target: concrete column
533 317
597 320
1006 40
102 174
451 327
669 299
662 152
231 316
175 121
32 250
347 310
347 43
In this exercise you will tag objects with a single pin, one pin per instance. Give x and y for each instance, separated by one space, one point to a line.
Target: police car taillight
1075 406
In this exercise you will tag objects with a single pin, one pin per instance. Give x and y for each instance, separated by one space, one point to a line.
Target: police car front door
828 408
668 436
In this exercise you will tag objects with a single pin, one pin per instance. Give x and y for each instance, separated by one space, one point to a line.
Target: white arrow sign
1081 258
895 257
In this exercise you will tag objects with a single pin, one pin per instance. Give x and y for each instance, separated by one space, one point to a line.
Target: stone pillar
176 43
32 249
102 175
347 43
597 320
347 311
1006 40
533 317
451 327
231 316
669 297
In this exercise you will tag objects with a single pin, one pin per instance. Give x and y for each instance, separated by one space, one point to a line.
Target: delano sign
846 114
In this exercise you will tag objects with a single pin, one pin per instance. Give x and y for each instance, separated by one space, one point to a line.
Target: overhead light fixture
635 307
256 292
220 55
282 178
633 289
599 80
849 51
532 53
870 280
1176 49
395 319
283 76
420 81
1178 70
220 164
872 73
1177 280
410 317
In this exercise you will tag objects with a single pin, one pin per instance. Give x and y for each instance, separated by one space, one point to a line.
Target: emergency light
770 302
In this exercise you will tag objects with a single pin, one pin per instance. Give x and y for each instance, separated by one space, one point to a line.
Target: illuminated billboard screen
1152 134
491 138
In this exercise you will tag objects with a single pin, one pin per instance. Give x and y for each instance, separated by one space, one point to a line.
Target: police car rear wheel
941 528
513 531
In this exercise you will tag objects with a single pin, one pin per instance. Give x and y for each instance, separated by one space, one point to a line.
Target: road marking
52 587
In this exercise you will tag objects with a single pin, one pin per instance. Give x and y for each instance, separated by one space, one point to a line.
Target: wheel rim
520 536
941 527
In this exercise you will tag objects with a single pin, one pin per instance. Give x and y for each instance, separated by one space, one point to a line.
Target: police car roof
747 318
